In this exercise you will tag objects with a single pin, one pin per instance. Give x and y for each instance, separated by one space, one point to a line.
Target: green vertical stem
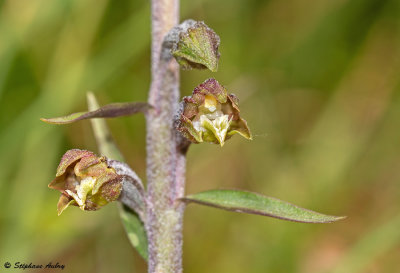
165 163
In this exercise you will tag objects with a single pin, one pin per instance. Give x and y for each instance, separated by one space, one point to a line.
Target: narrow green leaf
135 230
107 111
133 225
253 203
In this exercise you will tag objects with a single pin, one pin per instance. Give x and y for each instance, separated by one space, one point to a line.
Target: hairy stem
165 162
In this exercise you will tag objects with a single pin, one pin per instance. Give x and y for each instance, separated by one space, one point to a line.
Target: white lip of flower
217 123
82 191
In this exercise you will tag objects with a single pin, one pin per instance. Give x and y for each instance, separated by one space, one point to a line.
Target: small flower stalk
211 115
85 180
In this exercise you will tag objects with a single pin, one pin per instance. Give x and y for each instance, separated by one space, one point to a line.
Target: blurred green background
319 86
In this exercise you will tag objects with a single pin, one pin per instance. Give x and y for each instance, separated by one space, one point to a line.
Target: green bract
85 180
211 115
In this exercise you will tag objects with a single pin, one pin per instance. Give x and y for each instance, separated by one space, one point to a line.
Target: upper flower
211 115
85 180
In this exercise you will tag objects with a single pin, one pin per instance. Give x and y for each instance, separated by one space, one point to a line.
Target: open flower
211 115
85 180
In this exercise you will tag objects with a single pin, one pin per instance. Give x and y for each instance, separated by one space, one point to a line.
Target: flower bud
85 180
196 46
211 115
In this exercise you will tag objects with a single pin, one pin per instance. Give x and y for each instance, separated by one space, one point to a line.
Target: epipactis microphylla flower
85 180
211 115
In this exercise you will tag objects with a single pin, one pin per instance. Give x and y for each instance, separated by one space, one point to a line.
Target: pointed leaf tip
107 111
253 203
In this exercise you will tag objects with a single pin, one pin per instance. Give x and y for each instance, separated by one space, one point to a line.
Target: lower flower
85 180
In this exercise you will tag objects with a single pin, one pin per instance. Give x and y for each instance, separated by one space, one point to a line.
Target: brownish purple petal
69 158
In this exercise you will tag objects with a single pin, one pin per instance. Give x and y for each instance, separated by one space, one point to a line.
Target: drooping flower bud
195 46
85 180
211 115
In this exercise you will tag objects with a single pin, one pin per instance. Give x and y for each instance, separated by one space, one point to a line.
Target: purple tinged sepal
211 115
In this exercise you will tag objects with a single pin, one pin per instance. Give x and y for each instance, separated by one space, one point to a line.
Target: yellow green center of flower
218 126
82 190
210 103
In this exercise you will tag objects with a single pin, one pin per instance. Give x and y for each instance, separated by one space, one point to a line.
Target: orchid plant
152 215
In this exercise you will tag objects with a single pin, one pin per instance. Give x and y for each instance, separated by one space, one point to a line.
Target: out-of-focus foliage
319 86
